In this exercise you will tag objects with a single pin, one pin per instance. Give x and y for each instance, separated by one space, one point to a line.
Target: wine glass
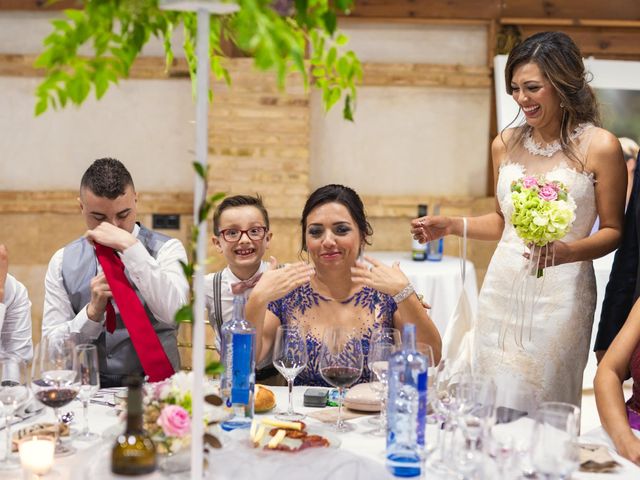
554 448
86 362
289 358
14 394
340 363
54 378
384 342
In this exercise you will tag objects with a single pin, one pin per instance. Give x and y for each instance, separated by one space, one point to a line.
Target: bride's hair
560 61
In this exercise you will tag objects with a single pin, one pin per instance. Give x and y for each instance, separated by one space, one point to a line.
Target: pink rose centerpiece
167 411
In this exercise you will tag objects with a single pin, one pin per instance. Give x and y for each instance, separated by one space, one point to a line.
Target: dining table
359 453
439 282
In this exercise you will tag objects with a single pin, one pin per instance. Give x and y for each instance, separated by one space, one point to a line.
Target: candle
36 454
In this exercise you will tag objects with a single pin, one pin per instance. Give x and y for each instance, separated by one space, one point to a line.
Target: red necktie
242 286
144 338
110 324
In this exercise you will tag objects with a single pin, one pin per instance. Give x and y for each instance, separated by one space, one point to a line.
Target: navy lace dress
366 310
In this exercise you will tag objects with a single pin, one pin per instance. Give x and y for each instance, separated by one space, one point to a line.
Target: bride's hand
426 229
554 253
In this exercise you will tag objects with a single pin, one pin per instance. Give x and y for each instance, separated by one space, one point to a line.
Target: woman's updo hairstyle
338 194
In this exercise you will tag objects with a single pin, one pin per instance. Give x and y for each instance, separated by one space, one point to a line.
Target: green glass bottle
134 452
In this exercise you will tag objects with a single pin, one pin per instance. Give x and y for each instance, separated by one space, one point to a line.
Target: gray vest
116 354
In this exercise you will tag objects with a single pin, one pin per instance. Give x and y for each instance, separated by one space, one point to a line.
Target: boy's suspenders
216 315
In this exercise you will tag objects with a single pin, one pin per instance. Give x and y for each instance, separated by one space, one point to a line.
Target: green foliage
115 32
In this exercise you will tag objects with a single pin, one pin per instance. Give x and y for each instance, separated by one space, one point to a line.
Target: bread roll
265 399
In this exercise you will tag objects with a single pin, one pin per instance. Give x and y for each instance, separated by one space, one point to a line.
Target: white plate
334 440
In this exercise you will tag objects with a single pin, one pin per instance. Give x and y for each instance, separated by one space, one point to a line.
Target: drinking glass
86 361
340 363
289 358
384 342
14 394
554 448
54 378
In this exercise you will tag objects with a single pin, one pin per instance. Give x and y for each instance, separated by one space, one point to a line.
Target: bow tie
238 288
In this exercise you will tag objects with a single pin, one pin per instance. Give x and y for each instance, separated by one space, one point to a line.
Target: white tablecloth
365 451
440 282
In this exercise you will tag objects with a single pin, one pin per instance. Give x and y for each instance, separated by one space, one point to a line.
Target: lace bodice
367 310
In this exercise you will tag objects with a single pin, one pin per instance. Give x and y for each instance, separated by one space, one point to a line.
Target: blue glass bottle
435 248
406 407
237 386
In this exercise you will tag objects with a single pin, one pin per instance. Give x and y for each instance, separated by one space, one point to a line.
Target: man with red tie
100 286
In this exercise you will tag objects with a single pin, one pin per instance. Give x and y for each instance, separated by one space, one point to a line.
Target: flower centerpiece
543 212
167 411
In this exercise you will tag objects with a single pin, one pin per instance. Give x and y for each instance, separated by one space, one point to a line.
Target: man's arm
58 315
160 280
620 292
16 320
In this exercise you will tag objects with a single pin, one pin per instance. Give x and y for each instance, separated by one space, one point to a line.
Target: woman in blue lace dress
343 291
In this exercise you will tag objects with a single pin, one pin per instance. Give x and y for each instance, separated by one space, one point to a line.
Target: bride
532 329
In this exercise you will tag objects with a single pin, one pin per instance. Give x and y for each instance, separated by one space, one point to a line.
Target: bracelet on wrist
403 294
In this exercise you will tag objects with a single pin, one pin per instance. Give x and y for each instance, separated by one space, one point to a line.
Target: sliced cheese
277 438
259 434
253 429
282 424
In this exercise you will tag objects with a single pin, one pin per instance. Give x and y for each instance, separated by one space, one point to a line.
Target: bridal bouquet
543 211
167 411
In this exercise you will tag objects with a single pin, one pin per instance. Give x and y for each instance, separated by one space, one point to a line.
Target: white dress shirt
160 281
15 320
226 301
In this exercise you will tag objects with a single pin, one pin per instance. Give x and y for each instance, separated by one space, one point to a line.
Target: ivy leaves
93 47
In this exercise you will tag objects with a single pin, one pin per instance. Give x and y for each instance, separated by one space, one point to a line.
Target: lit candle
36 454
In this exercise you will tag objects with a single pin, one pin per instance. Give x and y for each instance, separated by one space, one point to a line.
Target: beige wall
413 141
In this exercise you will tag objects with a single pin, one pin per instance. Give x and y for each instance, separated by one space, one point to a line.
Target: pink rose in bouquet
175 421
529 182
548 193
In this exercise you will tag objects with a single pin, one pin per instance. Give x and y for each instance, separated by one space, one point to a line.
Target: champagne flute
14 394
341 360
86 362
54 379
554 448
289 358
384 342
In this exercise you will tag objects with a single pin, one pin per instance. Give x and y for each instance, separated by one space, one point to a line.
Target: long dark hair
339 194
560 61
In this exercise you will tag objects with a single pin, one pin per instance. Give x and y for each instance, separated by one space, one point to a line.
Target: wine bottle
134 452
419 250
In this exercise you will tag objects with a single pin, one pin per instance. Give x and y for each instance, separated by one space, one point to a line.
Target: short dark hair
239 201
107 177
339 194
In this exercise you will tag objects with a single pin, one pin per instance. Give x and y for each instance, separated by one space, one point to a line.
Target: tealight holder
36 455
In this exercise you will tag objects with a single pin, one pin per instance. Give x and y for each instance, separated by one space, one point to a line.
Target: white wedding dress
536 331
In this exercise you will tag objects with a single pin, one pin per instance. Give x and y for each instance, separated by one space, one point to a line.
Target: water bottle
237 386
436 247
406 407
419 250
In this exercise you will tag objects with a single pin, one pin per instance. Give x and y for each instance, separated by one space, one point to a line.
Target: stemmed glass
289 358
384 342
340 364
86 362
554 448
54 378
14 394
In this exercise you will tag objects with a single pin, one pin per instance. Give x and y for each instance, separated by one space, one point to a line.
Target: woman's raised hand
429 228
276 281
384 278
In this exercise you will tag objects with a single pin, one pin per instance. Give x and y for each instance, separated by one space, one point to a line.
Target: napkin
596 459
330 415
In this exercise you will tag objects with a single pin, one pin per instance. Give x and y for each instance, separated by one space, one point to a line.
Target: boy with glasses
241 234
